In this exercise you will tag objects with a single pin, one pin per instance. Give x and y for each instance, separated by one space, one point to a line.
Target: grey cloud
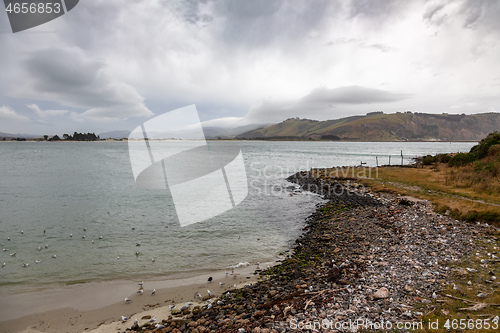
46 113
323 101
8 114
361 43
376 9
71 78
352 95
481 14
434 14
259 23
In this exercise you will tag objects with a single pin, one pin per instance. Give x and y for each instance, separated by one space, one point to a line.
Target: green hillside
378 126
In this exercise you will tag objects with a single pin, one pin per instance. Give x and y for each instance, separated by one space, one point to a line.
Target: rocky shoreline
366 261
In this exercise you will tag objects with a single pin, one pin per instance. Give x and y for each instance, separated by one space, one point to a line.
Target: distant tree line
75 137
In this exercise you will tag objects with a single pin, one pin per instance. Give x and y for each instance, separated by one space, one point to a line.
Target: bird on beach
152 320
138 244
39 248
70 235
210 279
153 259
124 319
197 295
26 265
3 265
220 302
84 229
171 307
209 293
5 250
209 306
221 284
54 256
127 300
92 241
154 292
135 327
38 261
22 232
100 237
141 284
83 237
158 326
140 291
13 254
226 273
46 246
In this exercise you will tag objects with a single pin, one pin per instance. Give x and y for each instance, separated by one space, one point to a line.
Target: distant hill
377 126
114 135
9 136
229 133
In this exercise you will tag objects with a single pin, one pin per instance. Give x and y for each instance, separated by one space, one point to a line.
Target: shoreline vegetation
386 253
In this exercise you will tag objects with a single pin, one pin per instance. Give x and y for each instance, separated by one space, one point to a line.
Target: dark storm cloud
71 78
259 23
351 95
481 13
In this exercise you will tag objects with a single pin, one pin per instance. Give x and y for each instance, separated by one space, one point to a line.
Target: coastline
375 257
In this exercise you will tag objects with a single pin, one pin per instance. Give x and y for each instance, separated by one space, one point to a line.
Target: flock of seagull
185 306
46 246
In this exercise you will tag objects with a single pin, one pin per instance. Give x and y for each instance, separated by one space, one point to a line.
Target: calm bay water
62 188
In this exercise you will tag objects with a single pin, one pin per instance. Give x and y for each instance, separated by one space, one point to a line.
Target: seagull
118 257
141 284
124 319
92 241
171 307
127 300
100 237
5 250
70 235
26 265
39 248
8 238
158 326
209 293
22 232
54 256
226 273
209 306
138 244
197 295
137 253
46 246
136 325
184 307
434 295
84 229
220 302
221 284
210 279
140 291
152 320
228 294
3 265
83 237
153 259
154 292
38 261
13 254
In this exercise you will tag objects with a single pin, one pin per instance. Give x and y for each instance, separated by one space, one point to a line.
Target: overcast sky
113 64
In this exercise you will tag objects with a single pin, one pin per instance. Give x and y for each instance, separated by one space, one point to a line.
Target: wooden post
401 157
376 159
389 159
